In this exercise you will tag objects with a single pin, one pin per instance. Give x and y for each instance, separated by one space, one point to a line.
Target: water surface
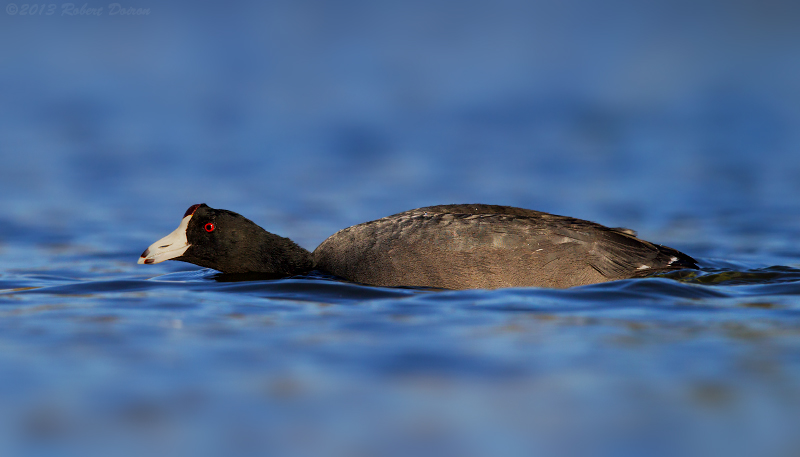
678 121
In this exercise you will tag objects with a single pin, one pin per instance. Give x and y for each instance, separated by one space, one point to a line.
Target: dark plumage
448 246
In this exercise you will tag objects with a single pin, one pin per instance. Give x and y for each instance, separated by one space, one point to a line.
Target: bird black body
448 246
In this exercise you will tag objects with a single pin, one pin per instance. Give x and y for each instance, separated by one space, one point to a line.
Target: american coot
448 246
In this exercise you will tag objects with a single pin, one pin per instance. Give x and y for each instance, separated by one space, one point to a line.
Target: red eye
209 227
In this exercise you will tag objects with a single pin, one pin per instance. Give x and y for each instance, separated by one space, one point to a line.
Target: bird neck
284 256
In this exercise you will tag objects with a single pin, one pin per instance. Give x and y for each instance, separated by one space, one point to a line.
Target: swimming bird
447 246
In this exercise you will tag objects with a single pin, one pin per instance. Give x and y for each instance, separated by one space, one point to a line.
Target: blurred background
680 119
312 116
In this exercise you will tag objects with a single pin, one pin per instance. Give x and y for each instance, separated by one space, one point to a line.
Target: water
679 121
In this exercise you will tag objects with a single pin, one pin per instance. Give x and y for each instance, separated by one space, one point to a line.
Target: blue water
678 120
